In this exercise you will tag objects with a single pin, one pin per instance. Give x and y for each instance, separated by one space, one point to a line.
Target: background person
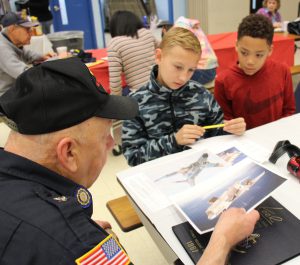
165 26
206 68
130 51
50 160
14 60
270 9
172 108
257 88
40 9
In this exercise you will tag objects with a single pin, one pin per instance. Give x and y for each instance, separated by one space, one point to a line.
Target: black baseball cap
59 94
12 18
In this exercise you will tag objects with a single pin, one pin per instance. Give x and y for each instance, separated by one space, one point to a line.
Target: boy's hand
235 126
188 134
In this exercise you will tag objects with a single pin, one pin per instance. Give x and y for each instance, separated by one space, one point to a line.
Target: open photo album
273 241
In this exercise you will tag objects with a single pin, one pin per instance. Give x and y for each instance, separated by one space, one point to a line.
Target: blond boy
172 108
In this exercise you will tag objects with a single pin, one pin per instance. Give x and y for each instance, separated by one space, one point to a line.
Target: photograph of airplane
243 185
191 171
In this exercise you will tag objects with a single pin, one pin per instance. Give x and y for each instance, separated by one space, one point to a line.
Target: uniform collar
15 166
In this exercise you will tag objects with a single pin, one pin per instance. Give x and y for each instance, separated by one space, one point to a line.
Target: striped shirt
134 57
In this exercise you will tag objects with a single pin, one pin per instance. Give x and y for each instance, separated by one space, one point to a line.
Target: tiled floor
138 243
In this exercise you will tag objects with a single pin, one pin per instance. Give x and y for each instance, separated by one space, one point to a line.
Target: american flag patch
107 252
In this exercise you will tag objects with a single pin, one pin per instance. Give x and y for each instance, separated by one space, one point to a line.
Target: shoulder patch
107 252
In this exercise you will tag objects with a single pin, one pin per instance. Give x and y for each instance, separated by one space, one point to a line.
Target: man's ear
68 154
158 55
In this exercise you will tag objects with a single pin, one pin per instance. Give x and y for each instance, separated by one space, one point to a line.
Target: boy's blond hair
181 37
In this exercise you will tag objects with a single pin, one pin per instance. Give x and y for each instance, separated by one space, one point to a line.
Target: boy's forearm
148 149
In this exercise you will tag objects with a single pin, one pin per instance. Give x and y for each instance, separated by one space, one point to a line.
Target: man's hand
188 134
104 224
107 227
233 226
43 58
48 56
235 126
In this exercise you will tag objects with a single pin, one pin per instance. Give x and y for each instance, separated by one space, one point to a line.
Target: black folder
276 238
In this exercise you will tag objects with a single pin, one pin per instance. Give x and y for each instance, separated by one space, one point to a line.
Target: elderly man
13 59
61 124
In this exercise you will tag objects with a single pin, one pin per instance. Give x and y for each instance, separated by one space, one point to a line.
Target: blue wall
179 8
162 9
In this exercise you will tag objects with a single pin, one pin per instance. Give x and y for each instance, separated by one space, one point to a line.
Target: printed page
243 184
188 177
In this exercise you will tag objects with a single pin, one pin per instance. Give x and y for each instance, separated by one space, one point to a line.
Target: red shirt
261 98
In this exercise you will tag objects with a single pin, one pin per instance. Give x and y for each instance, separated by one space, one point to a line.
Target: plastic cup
62 51
284 26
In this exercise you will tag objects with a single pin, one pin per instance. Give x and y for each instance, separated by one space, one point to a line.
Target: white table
159 224
4 132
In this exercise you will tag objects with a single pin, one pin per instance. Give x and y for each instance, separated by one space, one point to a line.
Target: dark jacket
162 112
41 218
40 9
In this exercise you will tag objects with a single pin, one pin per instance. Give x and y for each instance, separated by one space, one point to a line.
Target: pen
213 126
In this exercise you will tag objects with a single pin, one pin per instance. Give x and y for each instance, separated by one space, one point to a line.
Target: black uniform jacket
41 220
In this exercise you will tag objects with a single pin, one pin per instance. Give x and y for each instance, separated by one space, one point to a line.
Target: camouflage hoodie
162 112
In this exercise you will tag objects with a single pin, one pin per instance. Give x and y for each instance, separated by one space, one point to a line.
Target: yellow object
23 13
94 63
37 31
213 126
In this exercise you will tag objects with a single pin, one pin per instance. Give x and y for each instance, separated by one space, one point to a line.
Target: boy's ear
271 50
236 46
158 55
